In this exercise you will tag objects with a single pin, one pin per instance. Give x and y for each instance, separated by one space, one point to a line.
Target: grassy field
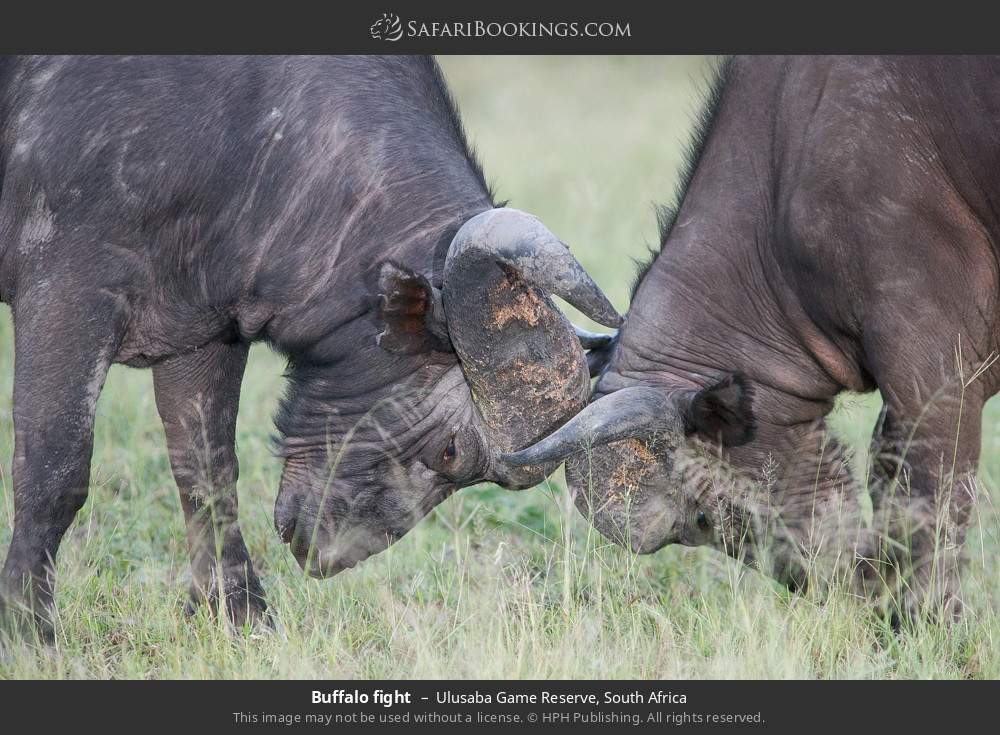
494 583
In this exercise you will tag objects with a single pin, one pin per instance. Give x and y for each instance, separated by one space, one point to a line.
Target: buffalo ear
410 313
722 412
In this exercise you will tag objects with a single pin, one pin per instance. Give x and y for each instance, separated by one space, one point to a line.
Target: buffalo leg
197 396
924 455
63 349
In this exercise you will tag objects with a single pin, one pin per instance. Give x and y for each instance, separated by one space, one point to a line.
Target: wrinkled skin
837 233
168 212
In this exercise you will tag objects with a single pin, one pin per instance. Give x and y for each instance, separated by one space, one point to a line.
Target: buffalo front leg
63 349
197 396
924 455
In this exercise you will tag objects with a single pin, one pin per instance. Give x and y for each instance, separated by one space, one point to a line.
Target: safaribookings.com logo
387 28
390 28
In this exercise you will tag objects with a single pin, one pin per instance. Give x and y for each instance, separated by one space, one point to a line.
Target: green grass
494 583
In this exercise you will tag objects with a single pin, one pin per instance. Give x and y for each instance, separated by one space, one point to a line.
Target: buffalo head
440 385
655 465
641 464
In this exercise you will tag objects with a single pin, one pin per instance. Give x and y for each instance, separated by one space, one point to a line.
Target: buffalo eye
450 451
703 523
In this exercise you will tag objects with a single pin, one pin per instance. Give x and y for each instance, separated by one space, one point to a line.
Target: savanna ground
493 583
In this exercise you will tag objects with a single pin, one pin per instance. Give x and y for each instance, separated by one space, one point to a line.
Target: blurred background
587 143
493 583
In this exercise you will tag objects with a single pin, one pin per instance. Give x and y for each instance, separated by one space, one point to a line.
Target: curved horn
521 358
519 240
615 416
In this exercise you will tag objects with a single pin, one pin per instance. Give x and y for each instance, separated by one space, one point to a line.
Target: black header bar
395 26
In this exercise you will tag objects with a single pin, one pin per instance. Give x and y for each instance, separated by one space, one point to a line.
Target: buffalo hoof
19 621
244 603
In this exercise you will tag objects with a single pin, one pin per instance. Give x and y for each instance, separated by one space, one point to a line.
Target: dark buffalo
837 232
168 212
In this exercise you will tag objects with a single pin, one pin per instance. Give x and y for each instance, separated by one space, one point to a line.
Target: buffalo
168 212
836 231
